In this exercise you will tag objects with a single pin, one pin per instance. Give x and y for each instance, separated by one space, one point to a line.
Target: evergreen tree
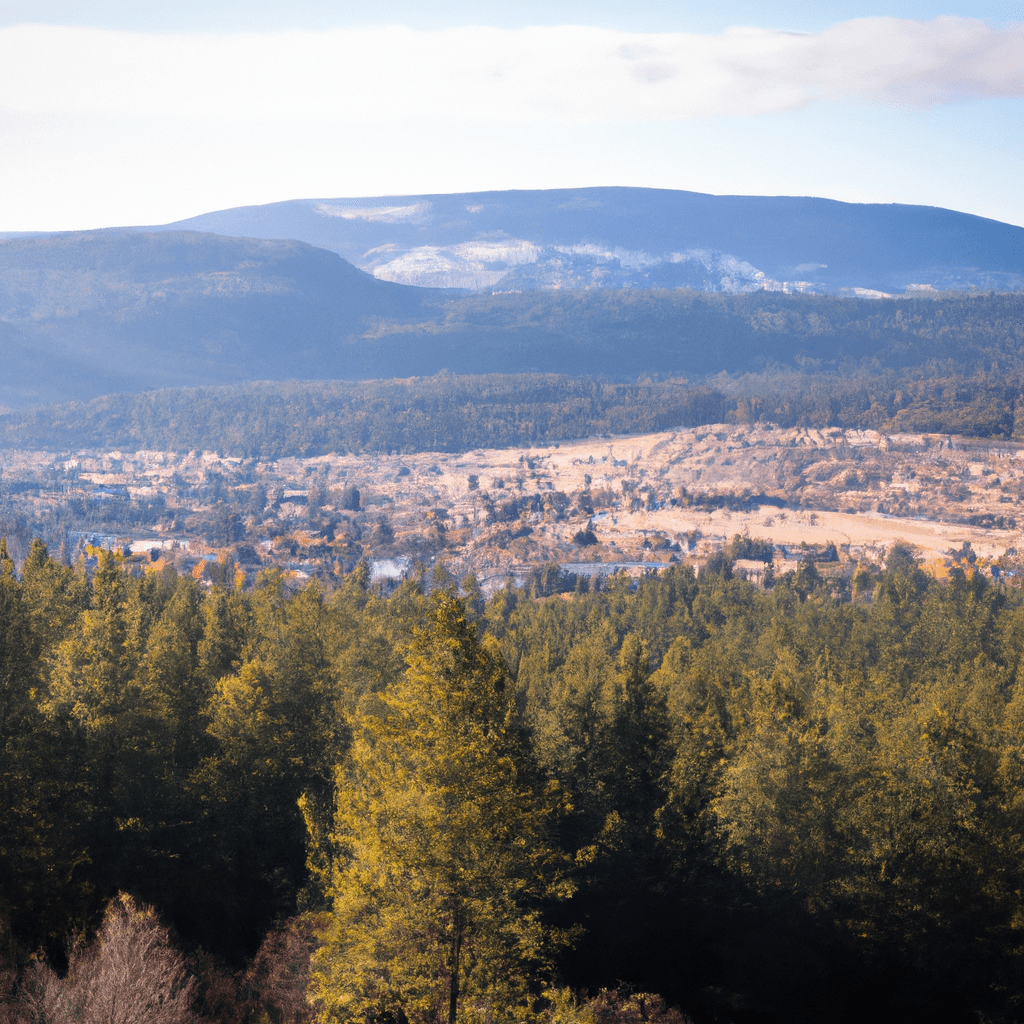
35 865
441 862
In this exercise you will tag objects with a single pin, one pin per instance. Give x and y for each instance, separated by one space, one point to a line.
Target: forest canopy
449 413
952 362
781 804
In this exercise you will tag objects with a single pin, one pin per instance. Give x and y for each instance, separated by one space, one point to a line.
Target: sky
116 113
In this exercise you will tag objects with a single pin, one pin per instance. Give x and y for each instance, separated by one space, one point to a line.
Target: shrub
611 1007
619 1007
128 974
279 975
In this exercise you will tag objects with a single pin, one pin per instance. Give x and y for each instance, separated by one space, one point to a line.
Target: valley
591 506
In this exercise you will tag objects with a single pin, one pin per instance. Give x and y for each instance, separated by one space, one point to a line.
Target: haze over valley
549 281
750 310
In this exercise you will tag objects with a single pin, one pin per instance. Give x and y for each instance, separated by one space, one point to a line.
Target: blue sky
116 113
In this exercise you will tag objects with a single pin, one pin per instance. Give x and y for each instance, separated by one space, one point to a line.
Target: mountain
89 313
644 238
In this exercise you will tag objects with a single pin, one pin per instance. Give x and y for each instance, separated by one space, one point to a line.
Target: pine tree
441 861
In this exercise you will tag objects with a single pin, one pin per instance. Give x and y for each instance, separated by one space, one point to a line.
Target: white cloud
569 73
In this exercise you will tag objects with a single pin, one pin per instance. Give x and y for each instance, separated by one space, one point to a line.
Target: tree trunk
453 983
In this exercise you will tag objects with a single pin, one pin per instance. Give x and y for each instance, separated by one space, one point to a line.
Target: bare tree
129 974
279 976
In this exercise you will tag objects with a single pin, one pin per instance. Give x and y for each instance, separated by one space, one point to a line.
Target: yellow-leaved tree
441 865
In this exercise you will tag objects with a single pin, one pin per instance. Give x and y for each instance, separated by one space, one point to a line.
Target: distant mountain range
613 282
644 238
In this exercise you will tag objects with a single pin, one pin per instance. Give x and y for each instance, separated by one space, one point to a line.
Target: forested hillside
88 313
95 313
458 413
443 413
774 805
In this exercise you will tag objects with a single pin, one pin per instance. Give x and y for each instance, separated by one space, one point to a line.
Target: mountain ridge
616 237
598 289
87 314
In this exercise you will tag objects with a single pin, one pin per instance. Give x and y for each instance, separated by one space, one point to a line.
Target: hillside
644 238
88 313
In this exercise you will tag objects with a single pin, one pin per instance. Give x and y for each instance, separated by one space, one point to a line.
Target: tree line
449 413
763 804
620 362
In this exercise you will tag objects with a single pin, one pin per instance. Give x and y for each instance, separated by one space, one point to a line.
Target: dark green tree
441 861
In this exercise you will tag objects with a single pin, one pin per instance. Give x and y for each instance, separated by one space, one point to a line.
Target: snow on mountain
516 265
644 238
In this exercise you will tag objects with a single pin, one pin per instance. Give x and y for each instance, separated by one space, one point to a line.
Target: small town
840 498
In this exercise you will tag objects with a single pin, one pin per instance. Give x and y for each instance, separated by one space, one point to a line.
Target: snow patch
380 214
